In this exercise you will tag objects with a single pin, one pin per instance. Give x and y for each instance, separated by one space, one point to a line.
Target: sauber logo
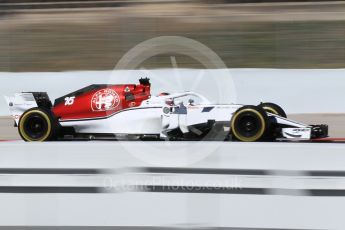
105 99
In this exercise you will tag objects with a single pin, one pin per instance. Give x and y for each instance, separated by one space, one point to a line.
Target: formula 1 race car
129 111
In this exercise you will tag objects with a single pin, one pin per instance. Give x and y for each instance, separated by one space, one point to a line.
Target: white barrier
275 167
221 155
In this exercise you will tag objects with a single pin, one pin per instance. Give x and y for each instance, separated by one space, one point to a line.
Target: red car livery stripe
97 101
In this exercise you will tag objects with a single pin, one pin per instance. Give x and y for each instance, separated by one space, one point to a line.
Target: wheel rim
248 125
35 126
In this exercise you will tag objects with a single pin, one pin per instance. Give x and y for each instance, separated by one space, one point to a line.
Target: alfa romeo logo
104 100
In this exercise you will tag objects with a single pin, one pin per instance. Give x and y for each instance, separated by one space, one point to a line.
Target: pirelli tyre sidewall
46 121
273 108
259 124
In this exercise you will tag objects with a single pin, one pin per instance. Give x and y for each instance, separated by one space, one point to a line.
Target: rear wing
21 102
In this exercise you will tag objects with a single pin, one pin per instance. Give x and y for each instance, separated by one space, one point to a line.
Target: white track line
139 180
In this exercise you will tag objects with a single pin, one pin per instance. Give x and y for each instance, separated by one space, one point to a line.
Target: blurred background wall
60 35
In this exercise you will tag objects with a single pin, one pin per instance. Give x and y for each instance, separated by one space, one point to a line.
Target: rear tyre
273 108
249 124
37 125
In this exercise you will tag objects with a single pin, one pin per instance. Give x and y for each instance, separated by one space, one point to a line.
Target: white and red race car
129 111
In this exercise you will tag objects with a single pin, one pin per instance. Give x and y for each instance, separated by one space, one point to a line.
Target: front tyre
273 108
249 124
37 125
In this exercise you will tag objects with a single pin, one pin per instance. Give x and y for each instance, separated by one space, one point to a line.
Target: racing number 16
69 100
